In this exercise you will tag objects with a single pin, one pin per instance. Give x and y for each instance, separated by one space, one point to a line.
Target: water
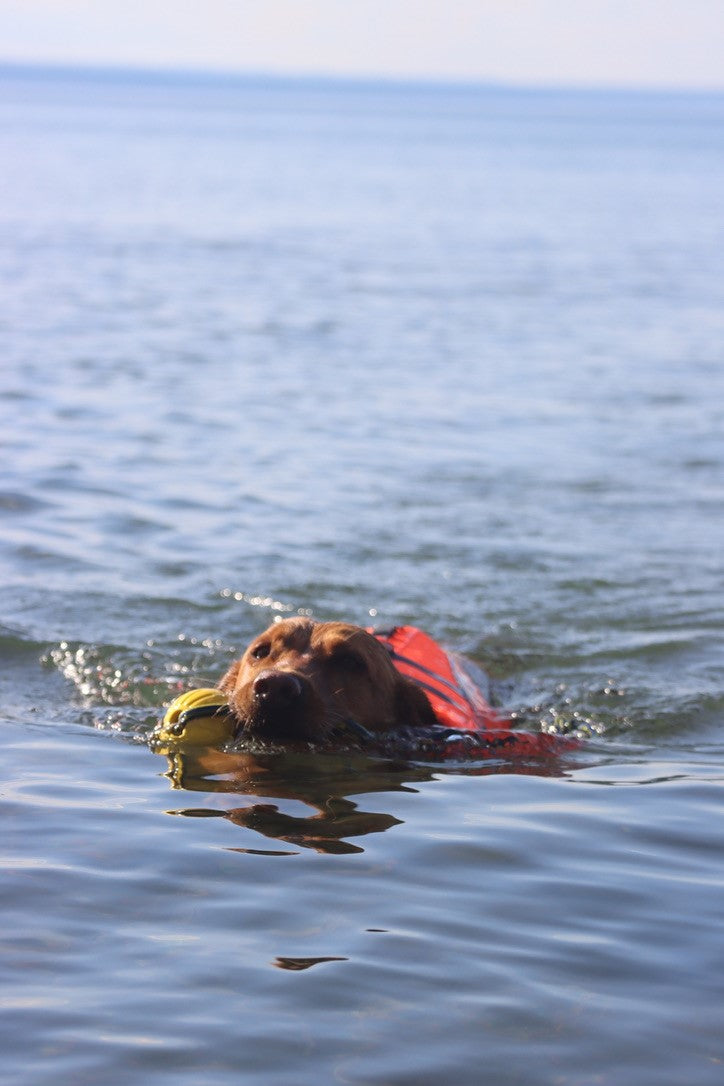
443 355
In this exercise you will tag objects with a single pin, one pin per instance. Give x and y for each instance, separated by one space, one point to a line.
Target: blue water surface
389 353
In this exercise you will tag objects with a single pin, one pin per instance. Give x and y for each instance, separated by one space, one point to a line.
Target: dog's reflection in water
322 782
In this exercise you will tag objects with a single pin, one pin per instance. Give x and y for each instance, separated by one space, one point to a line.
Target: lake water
449 356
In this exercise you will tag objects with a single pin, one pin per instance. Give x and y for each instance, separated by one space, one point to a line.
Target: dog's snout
277 688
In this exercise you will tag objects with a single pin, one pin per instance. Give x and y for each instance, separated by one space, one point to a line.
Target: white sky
669 43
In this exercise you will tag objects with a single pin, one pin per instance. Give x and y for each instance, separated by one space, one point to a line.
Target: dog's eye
351 662
261 650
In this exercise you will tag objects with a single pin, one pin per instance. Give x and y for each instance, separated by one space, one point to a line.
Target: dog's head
304 681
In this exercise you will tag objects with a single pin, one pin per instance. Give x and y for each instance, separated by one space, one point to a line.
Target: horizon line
160 71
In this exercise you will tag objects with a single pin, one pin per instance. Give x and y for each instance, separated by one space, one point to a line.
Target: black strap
203 710
433 675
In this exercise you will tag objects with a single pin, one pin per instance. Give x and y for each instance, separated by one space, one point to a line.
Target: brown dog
315 682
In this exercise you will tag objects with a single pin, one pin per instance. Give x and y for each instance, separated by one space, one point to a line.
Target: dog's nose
277 688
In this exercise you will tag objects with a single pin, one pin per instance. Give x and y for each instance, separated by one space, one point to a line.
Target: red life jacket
457 701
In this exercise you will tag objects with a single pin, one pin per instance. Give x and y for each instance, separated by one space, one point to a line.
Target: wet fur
314 682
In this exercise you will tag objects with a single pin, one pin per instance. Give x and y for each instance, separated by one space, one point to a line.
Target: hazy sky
635 42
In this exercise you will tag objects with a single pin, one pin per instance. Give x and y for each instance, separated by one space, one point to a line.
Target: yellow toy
199 718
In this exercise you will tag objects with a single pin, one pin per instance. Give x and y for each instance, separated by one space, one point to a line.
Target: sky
648 43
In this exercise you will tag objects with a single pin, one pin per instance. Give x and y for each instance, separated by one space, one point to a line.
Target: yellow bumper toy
199 718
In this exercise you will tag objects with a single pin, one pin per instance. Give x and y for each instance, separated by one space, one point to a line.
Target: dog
314 682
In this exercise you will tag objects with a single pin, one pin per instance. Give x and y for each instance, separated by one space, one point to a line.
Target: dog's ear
412 709
228 682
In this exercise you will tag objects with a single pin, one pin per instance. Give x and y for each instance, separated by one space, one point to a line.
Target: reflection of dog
313 681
